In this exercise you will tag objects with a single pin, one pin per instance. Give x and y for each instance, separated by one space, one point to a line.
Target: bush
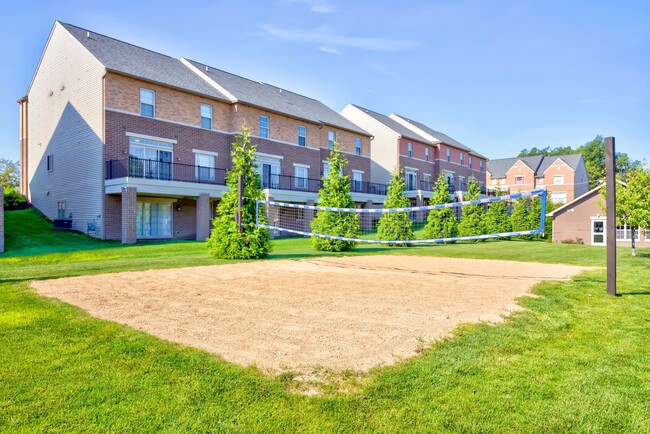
497 219
335 193
395 225
441 223
13 200
472 221
225 240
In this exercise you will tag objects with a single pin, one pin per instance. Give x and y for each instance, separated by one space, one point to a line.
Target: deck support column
203 217
129 195
366 218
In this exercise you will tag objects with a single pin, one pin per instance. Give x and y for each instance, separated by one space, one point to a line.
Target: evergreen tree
396 225
497 219
441 223
534 212
335 193
519 220
225 240
472 221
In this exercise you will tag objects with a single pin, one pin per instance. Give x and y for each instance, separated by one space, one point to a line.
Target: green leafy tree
519 218
441 223
396 225
633 202
497 219
225 240
9 173
534 213
335 193
472 221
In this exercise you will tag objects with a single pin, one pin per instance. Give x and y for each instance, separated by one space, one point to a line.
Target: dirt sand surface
339 313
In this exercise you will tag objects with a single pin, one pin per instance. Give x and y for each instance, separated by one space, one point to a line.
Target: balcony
290 183
368 188
164 171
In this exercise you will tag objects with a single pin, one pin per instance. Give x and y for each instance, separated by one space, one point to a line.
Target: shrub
472 221
497 219
335 193
13 200
225 240
395 225
441 223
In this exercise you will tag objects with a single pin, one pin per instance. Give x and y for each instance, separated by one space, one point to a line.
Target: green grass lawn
575 361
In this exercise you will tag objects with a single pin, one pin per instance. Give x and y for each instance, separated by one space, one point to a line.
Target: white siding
384 145
65 107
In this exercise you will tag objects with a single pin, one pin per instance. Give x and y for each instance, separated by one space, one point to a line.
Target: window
624 233
481 164
598 232
494 182
153 220
558 179
450 178
519 180
470 162
558 197
61 209
150 159
426 154
302 173
540 181
300 214
147 103
357 180
357 146
331 138
50 162
205 168
302 135
206 116
410 149
326 169
448 154
426 182
647 234
461 158
411 179
461 183
264 126
269 171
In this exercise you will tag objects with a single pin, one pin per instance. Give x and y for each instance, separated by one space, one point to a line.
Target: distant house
584 220
564 176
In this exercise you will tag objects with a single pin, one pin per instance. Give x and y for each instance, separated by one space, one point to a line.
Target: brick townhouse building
419 151
564 177
133 144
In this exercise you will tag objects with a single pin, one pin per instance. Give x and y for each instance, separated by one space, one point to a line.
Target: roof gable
393 125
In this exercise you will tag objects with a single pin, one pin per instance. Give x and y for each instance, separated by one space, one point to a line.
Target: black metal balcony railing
164 171
426 185
368 187
287 182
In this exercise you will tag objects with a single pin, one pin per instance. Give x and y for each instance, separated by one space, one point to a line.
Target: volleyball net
450 222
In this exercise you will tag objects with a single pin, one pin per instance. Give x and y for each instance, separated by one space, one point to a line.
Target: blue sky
498 76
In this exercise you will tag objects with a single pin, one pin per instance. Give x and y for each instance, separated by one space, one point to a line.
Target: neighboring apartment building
133 144
583 220
564 177
421 152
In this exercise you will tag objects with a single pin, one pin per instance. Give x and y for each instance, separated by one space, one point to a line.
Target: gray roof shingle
538 163
442 138
393 125
277 99
139 62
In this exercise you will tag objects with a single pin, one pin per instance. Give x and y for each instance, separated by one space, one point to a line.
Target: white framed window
558 197
206 116
409 147
302 135
426 154
481 164
450 178
411 178
540 181
461 183
61 209
426 180
301 176
558 179
264 126
147 103
494 182
326 169
205 166
331 138
520 180
150 159
470 162
647 234
357 146
50 162
269 170
598 232
357 180
461 158
448 154
153 219
624 233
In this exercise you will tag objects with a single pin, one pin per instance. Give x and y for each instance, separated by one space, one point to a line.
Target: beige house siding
65 113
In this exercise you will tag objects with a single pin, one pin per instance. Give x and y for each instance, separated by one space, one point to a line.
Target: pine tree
472 221
335 193
441 223
225 240
534 212
519 220
497 219
396 225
